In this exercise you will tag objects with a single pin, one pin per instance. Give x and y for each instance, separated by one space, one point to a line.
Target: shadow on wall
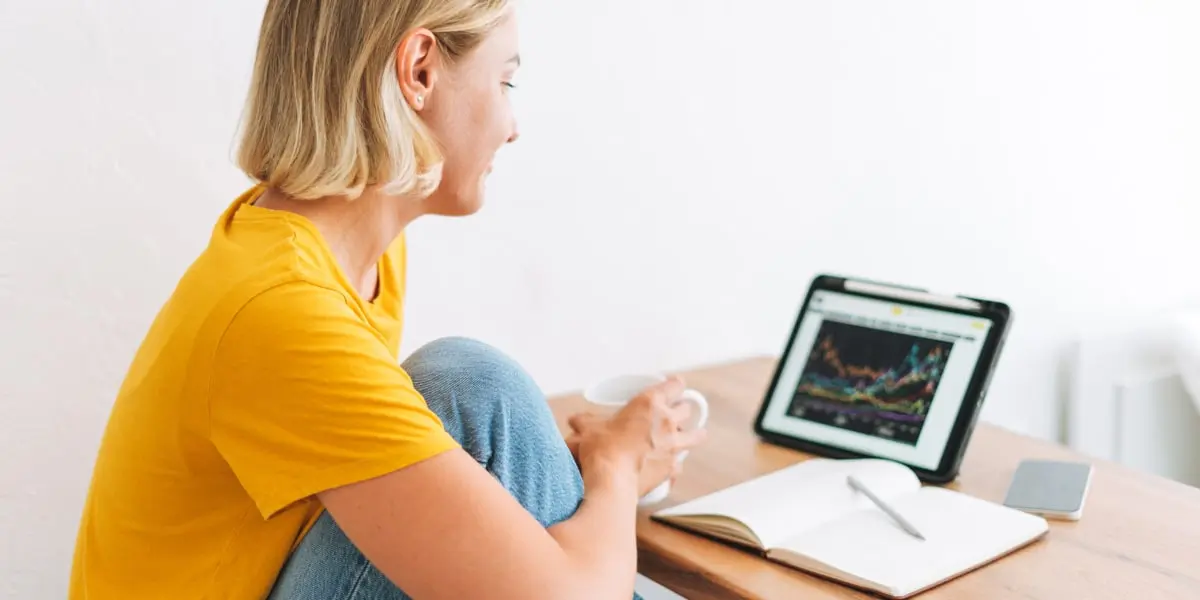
1186 348
1133 397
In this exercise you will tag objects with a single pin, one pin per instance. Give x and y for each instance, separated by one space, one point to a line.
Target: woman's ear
418 63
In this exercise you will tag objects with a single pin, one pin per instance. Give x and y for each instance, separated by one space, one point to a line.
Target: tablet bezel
968 413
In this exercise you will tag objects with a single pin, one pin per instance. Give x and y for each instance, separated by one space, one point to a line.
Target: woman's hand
646 434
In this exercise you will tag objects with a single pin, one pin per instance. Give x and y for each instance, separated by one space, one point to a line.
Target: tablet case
964 425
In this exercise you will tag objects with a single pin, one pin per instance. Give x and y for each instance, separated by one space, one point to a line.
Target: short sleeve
306 397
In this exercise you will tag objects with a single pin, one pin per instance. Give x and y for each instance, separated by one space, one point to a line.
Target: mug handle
701 418
658 494
701 403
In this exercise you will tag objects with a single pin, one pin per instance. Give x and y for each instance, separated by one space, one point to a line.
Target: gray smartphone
1050 488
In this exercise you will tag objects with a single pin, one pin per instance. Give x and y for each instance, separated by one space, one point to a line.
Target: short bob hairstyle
325 116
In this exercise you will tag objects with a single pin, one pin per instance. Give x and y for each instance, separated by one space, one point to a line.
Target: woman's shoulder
268 272
297 303
268 296
252 250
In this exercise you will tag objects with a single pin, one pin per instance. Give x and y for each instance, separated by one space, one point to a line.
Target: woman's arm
445 528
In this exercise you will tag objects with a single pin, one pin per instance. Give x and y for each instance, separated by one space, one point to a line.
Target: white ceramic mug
611 394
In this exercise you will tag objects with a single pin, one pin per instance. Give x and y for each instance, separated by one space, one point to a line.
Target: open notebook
808 517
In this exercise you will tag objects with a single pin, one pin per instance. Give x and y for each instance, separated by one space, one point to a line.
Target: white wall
685 168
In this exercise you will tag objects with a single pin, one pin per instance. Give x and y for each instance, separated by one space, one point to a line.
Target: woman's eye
508 84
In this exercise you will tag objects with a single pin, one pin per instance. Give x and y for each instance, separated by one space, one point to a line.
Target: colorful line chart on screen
872 381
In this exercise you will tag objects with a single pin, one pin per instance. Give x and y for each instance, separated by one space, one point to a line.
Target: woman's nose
514 134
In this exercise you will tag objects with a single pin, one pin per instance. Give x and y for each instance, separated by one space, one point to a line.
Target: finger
668 392
581 421
680 414
686 440
576 420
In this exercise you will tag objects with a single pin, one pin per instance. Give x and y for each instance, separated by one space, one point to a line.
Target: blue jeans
497 413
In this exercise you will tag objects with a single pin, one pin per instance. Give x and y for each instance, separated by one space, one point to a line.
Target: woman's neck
357 231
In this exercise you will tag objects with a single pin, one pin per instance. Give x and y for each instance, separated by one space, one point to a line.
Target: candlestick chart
873 381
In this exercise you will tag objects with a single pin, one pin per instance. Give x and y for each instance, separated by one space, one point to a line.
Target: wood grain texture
1139 537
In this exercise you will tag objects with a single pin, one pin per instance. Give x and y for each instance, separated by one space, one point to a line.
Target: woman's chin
464 205
458 203
471 201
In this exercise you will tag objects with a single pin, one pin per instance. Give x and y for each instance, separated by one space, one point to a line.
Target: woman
266 442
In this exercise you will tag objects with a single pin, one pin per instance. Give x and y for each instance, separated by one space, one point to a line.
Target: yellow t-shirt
264 379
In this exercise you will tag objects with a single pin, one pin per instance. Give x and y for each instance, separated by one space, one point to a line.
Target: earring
420 100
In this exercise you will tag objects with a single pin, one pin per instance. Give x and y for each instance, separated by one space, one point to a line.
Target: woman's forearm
600 539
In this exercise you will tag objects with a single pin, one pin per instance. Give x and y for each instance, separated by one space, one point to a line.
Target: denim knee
498 414
455 364
479 392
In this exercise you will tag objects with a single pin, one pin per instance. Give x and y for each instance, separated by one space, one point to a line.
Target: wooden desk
1139 538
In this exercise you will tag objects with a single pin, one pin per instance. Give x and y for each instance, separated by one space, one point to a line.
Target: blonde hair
325 115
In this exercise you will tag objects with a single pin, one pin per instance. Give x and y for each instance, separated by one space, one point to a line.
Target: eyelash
508 84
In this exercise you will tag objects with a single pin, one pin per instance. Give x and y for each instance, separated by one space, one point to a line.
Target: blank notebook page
961 531
780 505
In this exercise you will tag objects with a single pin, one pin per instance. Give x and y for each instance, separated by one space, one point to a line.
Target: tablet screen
876 376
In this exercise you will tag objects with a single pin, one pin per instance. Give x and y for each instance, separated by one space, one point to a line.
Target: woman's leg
496 411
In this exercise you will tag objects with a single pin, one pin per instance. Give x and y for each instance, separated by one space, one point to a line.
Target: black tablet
884 371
